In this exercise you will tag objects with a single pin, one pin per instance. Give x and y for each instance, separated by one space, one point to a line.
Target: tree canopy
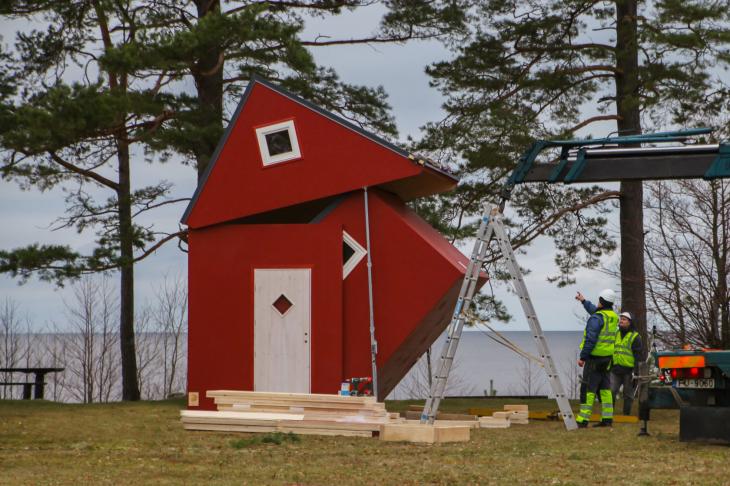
542 69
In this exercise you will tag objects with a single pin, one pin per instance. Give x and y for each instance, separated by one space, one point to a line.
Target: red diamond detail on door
282 304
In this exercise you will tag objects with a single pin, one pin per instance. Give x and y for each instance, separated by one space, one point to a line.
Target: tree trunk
130 385
633 277
720 254
208 75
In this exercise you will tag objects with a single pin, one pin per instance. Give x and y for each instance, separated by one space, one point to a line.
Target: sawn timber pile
300 413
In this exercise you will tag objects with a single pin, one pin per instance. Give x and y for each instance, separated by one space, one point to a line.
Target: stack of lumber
494 422
300 413
414 413
520 414
512 414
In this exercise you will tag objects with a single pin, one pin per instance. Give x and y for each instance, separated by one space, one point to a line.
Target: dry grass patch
143 443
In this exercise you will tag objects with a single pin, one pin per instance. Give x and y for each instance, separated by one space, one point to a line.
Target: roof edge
256 79
415 158
218 149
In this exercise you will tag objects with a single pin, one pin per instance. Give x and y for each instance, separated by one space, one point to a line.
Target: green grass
45 443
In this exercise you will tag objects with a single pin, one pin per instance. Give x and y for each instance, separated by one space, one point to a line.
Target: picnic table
39 382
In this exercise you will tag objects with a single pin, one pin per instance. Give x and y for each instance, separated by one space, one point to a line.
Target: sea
494 364
487 363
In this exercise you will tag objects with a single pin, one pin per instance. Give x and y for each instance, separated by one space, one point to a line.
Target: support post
373 341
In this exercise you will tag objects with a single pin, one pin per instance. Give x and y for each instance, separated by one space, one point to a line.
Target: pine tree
103 87
548 68
220 47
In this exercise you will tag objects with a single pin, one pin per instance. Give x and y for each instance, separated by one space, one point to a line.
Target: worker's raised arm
589 307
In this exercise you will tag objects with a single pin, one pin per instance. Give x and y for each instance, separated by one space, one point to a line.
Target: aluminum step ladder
491 225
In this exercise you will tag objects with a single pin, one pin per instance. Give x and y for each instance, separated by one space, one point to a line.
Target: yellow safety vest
622 354
607 337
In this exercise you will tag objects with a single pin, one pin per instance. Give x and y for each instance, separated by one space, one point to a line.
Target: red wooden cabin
278 281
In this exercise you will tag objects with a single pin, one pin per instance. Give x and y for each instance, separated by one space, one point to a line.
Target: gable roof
234 185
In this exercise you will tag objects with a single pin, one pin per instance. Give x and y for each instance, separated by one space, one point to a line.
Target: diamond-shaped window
282 304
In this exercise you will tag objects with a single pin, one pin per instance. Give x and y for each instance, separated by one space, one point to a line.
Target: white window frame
268 159
359 254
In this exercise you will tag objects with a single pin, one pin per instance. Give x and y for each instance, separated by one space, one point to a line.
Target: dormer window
278 143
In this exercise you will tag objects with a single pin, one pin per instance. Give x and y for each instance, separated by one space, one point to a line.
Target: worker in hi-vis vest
626 357
596 351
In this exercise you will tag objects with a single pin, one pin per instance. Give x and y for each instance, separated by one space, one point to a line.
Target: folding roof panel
280 150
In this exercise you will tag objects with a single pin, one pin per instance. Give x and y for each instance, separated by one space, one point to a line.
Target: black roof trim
328 114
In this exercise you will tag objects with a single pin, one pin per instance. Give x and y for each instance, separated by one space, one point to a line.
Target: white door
282 329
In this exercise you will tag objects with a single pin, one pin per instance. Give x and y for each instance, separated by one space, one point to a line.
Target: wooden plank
200 416
424 433
229 428
262 415
493 423
238 418
323 424
313 397
414 415
518 417
287 409
223 421
516 408
298 404
284 429
474 424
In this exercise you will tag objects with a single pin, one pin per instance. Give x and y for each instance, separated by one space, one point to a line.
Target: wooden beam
424 433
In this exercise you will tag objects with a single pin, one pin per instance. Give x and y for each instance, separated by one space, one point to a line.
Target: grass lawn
144 443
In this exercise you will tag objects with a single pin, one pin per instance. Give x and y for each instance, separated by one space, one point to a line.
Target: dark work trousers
596 381
623 377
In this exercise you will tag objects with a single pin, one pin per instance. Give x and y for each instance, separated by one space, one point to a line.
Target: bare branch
84 172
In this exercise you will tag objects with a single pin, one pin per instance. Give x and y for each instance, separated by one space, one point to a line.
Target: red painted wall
220 272
416 276
334 160
414 267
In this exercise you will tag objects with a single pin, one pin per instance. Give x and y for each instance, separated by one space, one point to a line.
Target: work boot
582 425
604 423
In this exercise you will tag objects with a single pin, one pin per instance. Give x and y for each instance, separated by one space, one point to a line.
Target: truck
695 381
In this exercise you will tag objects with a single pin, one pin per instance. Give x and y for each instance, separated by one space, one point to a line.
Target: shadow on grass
277 438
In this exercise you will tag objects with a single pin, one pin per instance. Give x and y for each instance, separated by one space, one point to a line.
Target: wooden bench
39 382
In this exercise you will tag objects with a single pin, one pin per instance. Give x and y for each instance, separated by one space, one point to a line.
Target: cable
503 340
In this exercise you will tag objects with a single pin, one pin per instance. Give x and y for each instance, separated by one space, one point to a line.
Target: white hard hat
626 315
608 295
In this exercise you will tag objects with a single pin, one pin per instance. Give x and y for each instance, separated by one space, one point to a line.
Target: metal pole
373 341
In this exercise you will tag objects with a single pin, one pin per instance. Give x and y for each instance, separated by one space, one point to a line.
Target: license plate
696 383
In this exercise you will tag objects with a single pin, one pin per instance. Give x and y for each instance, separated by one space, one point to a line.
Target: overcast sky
25 216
